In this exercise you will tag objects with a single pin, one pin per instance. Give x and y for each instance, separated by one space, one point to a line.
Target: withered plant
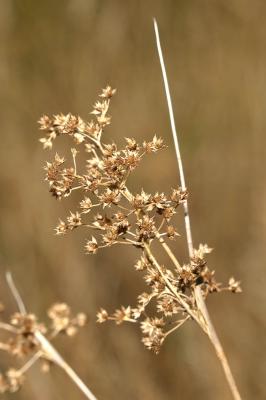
26 340
113 215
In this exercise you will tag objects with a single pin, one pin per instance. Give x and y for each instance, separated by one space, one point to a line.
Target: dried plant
28 340
113 215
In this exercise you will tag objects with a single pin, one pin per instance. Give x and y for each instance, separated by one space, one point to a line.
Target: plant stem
179 324
46 346
7 327
207 323
53 354
168 251
169 284
211 332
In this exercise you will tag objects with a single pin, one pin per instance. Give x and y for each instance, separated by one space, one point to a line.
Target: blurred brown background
55 56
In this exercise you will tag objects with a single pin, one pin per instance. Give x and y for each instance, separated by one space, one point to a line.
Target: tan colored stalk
168 283
46 347
168 251
206 323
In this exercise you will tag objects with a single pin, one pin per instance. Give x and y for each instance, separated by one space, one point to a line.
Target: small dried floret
141 200
109 150
146 227
45 122
89 148
144 299
104 120
186 277
171 232
60 180
154 279
158 200
93 129
62 320
142 264
108 92
153 146
47 142
68 124
81 319
132 144
27 323
74 220
14 380
110 197
209 280
168 212
111 235
78 137
152 326
131 159
168 306
122 314
178 195
61 228
102 221
102 316
62 124
90 182
234 286
86 204
100 107
202 251
198 265
60 189
71 330
60 316
154 343
91 246
136 312
122 226
59 310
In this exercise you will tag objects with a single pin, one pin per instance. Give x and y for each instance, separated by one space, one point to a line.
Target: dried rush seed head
122 217
20 340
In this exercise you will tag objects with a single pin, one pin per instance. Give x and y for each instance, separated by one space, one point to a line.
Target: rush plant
111 214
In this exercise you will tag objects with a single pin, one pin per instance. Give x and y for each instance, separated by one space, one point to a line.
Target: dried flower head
23 340
115 215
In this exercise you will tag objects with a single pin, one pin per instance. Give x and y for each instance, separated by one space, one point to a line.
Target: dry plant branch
208 326
30 338
116 216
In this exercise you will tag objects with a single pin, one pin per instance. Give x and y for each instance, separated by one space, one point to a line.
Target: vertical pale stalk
207 324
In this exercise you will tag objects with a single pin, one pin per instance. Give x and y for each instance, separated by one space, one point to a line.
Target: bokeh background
55 56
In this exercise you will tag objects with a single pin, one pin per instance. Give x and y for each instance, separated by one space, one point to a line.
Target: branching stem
170 286
47 347
178 325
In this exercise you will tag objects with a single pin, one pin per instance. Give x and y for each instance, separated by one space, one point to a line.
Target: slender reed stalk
208 326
